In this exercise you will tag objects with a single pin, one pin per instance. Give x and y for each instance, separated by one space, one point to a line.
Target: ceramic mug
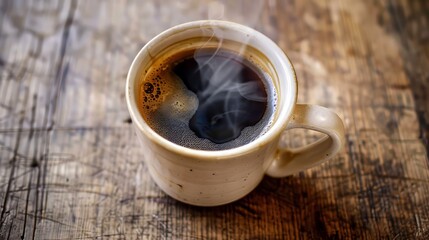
210 178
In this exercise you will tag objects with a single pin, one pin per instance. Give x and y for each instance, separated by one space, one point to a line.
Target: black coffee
231 94
207 99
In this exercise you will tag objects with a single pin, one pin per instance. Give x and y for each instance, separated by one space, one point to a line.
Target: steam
248 12
231 92
216 10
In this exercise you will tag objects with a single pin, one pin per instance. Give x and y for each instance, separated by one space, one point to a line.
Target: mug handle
317 118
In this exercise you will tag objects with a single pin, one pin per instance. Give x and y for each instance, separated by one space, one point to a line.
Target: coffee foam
167 105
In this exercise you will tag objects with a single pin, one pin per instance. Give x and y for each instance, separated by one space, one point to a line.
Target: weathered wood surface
71 167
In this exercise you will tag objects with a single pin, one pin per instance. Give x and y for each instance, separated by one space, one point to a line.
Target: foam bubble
180 104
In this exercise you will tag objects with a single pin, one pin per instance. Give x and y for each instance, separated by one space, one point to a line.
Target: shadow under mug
210 178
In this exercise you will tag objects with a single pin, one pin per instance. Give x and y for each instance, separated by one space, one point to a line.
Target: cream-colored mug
210 178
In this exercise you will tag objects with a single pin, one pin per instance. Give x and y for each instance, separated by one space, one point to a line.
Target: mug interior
281 72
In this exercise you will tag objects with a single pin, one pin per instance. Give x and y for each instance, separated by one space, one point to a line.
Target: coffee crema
206 96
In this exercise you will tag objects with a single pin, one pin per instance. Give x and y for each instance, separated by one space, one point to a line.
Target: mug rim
278 125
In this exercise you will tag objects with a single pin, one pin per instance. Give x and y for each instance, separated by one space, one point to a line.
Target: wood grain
71 167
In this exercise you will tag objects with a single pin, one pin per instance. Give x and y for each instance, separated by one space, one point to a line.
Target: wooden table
71 166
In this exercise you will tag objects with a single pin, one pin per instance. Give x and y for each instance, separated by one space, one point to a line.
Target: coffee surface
231 94
209 99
